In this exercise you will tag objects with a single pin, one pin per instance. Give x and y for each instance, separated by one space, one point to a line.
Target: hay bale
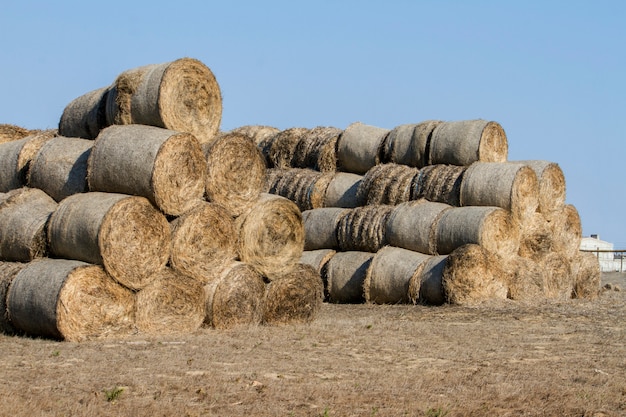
303 186
283 146
317 258
535 237
409 144
294 297
203 240
166 167
359 147
85 116
24 217
60 167
258 133
426 287
586 275
317 149
439 183
551 186
70 300
320 227
236 172
525 279
17 156
566 231
512 186
559 281
363 228
345 276
9 132
473 275
413 225
8 271
271 235
343 191
387 279
172 303
467 141
387 184
126 234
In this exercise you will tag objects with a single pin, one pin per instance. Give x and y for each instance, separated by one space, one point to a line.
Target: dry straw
70 300
536 237
320 227
283 146
586 275
9 132
317 258
126 234
387 184
317 149
439 183
17 157
551 186
8 271
342 191
363 228
345 276
559 281
426 287
359 147
303 186
566 231
85 116
258 133
525 279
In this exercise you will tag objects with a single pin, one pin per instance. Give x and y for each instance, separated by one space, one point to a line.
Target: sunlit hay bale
387 279
320 227
203 240
512 186
294 297
182 95
345 276
525 279
551 186
317 149
317 258
166 167
387 184
473 275
342 191
535 237
467 141
396 145
283 147
172 303
8 271
24 217
426 287
271 235
363 228
60 167
439 183
9 132
70 300
559 282
359 148
566 231
17 157
587 275
236 173
235 297
85 116
258 133
126 234
412 225
303 186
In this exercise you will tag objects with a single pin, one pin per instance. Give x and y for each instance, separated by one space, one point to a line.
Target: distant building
609 261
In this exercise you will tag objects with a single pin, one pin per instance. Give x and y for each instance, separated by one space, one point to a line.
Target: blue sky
552 73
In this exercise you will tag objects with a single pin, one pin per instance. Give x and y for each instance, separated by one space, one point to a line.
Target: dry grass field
505 359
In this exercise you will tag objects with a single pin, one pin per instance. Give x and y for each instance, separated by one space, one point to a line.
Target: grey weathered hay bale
8 271
467 141
363 228
24 217
343 191
473 275
525 279
171 303
283 147
271 235
294 297
70 300
490 227
409 144
387 279
166 167
9 132
439 183
512 186
60 167
317 149
317 258
566 231
203 240
258 133
359 147
587 275
126 234
85 116
535 237
236 172
551 185
345 275
426 287
387 184
16 158
320 227
303 186
559 282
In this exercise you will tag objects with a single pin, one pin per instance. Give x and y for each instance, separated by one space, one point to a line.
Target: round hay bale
467 141
409 144
387 279
85 116
8 271
203 240
587 275
317 149
166 167
70 300
413 225
525 279
363 228
235 298
172 303
473 275
295 297
303 186
559 282
490 227
258 133
359 148
535 237
271 235
17 156
320 227
317 258
9 132
396 143
512 186
126 234
24 217
439 183
345 276
551 185
283 147
426 286
60 167
342 191
236 173
387 184
566 231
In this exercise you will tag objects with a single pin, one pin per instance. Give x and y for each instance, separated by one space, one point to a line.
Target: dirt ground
504 359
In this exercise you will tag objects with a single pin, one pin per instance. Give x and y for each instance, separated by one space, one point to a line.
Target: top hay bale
408 144
16 157
359 147
10 132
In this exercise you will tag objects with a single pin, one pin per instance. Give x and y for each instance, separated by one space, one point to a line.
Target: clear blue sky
552 73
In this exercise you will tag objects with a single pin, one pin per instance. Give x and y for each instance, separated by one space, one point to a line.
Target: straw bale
8 271
70 300
345 276
387 184
359 147
343 191
16 157
126 234
317 258
303 186
559 281
320 227
9 132
551 185
566 231
439 183
85 116
317 149
363 228
258 133
283 147
586 275
409 144
535 237
426 286
525 279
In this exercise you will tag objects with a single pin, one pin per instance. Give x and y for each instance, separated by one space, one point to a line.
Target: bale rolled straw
258 133
282 150
409 144
317 258
345 275
70 300
387 184
126 234
320 227
343 191
535 237
559 281
566 231
587 275
426 287
439 183
303 186
166 167
551 186
363 228
359 147
8 271
525 279
17 156
317 149
85 116
9 132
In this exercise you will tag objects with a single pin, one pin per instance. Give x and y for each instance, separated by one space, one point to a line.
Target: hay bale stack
566 231
9 132
85 116
525 279
343 191
409 144
317 258
258 133
305 187
387 184
587 275
467 141
345 276
559 281
166 167
24 217
17 156
551 186
8 271
60 167
363 228
359 148
426 287
203 240
391 270
412 225
439 183
320 227
317 149
70 300
535 237
126 234
282 148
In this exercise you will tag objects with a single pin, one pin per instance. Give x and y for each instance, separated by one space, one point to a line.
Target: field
504 359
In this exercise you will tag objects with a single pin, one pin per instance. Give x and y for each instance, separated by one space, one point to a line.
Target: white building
609 261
